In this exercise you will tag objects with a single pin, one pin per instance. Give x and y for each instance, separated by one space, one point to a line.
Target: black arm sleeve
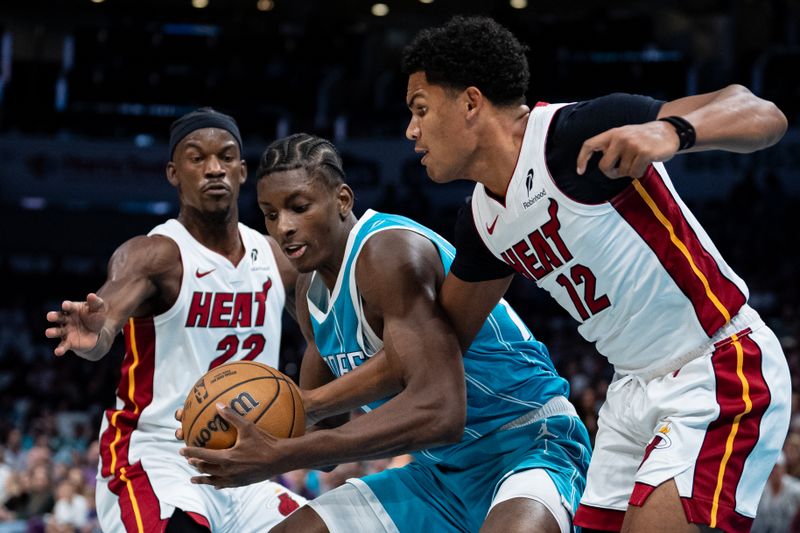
474 262
574 124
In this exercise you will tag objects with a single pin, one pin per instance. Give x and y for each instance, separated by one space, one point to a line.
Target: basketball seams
210 402
297 401
275 397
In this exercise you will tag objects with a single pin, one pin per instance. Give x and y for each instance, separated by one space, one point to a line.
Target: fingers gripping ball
255 391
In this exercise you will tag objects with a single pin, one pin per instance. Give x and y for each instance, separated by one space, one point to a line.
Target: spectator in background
779 503
30 494
297 482
71 510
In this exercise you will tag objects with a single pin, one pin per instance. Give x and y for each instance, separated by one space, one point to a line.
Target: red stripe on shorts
598 518
138 504
135 390
743 397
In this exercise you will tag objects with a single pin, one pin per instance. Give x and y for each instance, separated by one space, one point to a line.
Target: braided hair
316 155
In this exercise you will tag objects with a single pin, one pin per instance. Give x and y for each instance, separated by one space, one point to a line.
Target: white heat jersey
639 272
223 312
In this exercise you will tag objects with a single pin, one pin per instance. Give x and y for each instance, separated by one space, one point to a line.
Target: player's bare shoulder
154 255
154 260
397 261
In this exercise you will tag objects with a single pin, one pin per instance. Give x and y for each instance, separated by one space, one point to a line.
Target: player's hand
252 458
179 418
78 325
629 150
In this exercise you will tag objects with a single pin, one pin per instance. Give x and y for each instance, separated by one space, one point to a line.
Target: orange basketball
259 393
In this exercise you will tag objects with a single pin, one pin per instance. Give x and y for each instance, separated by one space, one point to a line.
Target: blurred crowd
50 408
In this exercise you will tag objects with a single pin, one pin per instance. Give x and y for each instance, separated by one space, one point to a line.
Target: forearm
396 428
372 381
733 119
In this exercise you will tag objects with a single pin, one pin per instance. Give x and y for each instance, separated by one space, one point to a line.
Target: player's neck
497 159
217 232
330 269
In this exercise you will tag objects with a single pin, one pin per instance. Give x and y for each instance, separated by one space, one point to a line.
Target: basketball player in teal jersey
497 445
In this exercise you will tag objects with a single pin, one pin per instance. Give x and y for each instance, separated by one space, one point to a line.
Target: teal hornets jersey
508 372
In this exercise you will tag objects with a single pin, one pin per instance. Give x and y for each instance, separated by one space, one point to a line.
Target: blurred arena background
88 89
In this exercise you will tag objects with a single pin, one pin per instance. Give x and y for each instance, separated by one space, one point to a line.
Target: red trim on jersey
200 519
135 390
597 518
715 305
138 505
641 491
743 397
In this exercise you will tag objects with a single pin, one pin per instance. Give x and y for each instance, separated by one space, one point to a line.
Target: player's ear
345 199
473 100
243 177
172 174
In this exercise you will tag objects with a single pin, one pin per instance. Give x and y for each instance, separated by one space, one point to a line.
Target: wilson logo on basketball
217 423
243 404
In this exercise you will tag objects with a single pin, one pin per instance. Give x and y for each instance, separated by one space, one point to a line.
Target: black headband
199 119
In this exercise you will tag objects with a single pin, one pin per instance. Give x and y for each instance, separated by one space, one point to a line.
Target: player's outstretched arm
731 119
134 272
419 343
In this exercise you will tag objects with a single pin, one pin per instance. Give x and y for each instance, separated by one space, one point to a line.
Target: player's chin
218 207
438 176
303 265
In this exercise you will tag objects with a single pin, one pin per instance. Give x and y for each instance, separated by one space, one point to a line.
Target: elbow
769 120
445 420
778 121
449 427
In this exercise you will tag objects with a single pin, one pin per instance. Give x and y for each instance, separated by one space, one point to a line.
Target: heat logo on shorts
663 433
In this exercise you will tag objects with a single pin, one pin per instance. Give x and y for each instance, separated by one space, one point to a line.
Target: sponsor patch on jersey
526 204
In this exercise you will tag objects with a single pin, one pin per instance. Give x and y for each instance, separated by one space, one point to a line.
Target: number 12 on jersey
590 305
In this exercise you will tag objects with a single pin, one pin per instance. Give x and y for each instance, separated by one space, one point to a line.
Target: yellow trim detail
682 247
136 512
131 397
748 406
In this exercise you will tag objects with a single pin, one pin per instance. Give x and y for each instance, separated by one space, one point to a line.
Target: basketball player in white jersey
575 197
196 292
